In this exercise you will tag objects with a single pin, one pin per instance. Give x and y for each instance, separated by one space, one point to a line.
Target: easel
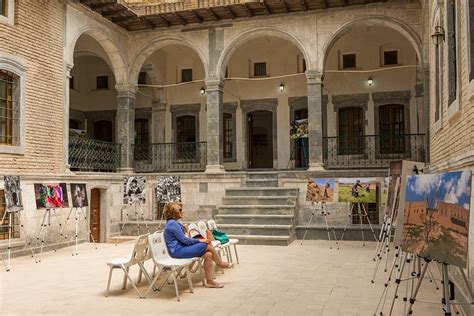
136 218
325 213
11 216
46 222
361 216
293 150
81 211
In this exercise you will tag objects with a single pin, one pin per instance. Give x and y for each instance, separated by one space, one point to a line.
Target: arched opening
265 90
373 84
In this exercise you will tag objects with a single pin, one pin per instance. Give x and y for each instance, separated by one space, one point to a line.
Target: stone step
266 230
257 209
261 192
263 240
261 183
263 175
259 200
254 219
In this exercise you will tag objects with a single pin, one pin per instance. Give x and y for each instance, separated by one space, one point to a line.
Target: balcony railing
93 155
372 151
170 157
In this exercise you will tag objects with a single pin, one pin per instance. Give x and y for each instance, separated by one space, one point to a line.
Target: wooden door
392 128
95 214
260 147
351 131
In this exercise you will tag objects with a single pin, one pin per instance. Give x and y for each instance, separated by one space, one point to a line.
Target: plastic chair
164 263
215 243
138 256
232 241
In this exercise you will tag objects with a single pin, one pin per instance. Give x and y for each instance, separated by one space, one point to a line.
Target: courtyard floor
308 279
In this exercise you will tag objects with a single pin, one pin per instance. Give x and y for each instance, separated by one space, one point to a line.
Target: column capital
214 84
314 76
158 106
126 90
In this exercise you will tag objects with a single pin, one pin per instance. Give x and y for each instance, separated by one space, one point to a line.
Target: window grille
9 108
349 61
260 69
228 133
102 82
186 75
390 57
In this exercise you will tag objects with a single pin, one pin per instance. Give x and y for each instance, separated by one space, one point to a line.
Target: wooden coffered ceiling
149 16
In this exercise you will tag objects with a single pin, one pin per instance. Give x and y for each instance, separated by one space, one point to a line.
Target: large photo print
357 190
320 190
436 216
168 189
79 195
134 190
13 200
51 195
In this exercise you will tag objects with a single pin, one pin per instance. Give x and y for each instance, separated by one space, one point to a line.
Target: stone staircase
260 213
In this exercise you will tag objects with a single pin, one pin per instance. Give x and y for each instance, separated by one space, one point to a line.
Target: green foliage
345 195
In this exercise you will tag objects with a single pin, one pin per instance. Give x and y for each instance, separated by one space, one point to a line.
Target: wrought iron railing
170 157
93 155
372 151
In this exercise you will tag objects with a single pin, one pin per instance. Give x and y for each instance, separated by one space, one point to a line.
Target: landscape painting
320 190
358 190
436 216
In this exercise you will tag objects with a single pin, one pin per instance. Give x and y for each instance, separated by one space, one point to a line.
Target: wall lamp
202 91
282 87
438 35
370 81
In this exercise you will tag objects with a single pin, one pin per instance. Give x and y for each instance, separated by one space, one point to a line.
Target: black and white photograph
13 194
168 189
79 195
134 190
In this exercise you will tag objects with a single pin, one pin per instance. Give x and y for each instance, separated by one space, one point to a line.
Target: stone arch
149 48
392 23
105 40
254 33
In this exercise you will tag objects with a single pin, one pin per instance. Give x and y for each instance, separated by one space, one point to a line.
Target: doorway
95 215
260 139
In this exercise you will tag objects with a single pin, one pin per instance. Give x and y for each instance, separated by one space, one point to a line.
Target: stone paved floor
308 279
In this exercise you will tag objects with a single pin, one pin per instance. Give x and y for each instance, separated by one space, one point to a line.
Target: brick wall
452 140
37 37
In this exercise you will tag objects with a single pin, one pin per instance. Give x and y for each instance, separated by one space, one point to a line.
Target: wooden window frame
355 60
391 51
350 144
228 130
183 76
97 82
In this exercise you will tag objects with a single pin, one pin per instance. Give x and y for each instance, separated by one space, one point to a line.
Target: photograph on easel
357 190
134 190
299 128
168 189
320 190
51 195
79 195
436 216
13 201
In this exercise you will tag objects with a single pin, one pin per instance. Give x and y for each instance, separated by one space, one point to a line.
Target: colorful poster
358 190
79 195
168 189
13 201
299 129
51 195
436 216
134 190
320 190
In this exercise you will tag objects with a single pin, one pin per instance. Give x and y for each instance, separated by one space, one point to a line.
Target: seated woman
181 246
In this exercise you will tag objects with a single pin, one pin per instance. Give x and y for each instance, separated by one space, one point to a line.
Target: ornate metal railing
372 151
93 155
170 157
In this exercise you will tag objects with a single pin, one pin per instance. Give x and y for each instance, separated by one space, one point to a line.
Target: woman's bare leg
208 262
216 258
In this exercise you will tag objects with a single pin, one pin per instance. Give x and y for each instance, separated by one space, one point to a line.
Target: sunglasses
180 209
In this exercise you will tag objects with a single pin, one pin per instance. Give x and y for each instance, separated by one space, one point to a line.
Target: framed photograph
168 189
51 195
13 200
299 128
357 190
436 216
134 190
320 190
79 195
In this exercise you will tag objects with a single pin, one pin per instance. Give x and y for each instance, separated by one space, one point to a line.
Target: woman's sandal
214 286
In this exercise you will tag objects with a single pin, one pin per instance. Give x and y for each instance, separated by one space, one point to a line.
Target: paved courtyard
308 279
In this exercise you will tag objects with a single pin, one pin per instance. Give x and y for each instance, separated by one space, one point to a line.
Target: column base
215 169
126 170
316 166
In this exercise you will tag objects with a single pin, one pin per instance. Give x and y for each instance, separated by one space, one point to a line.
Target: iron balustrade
170 157
93 155
372 151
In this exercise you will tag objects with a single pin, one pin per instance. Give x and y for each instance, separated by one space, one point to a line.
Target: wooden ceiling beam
113 12
180 18
123 18
99 6
303 5
229 10
196 16
285 6
324 4
213 14
265 7
148 22
343 3
247 10
164 20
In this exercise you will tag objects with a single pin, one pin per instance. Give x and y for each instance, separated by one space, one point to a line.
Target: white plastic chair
164 263
138 256
232 241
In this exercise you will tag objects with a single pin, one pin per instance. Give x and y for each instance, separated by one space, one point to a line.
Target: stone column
315 117
215 92
158 108
125 124
66 167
